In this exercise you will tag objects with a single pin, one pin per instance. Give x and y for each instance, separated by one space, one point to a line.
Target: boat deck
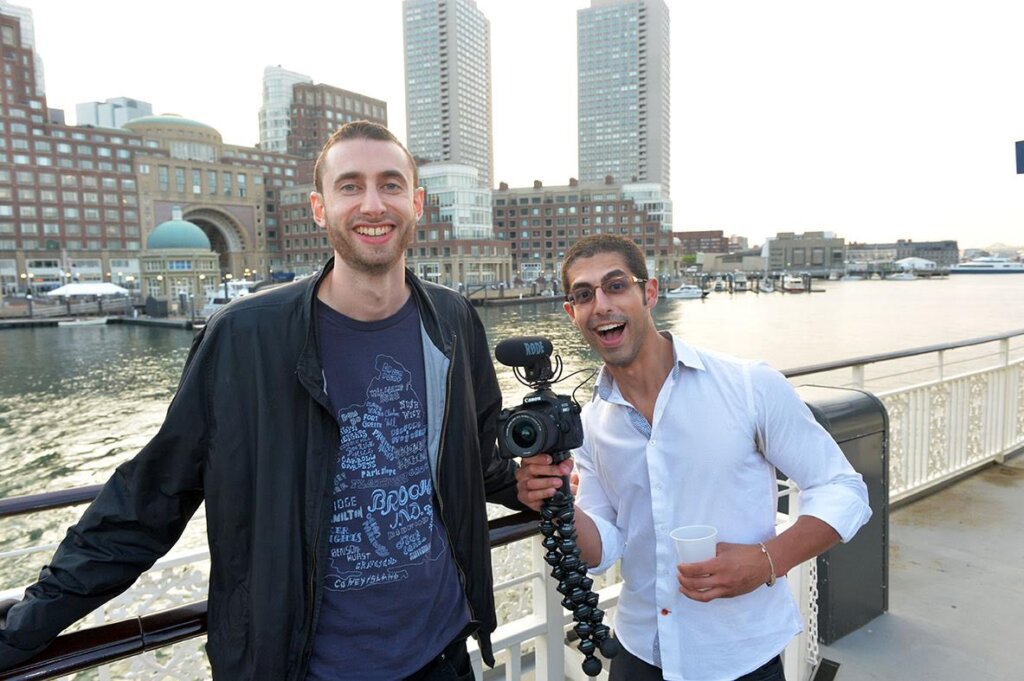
956 588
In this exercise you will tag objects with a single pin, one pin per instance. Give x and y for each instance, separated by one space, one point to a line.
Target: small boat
902 276
89 321
988 265
686 291
739 282
792 283
766 286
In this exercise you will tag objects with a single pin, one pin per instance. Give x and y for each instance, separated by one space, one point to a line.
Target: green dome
177 234
166 119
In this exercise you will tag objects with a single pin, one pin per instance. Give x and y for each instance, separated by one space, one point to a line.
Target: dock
956 596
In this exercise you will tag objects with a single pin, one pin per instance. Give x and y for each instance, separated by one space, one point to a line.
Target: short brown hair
359 130
589 246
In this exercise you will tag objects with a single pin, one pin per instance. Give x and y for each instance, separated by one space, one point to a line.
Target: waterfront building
69 203
301 247
540 223
78 203
455 190
318 110
27 41
220 188
818 253
112 113
746 261
942 253
275 114
867 257
448 83
179 264
705 241
623 83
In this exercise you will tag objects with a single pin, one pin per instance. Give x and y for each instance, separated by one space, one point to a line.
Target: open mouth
611 331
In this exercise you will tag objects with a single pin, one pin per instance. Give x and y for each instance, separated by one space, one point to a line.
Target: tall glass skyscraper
275 114
448 83
623 90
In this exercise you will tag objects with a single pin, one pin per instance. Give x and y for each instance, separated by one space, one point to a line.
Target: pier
954 486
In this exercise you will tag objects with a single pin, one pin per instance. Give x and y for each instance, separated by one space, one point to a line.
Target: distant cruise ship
988 265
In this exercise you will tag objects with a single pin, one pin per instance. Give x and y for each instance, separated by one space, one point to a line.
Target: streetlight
227 278
130 280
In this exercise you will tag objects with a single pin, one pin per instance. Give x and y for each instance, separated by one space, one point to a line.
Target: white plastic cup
695 543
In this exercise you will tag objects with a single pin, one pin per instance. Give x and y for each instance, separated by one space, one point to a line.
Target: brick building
540 223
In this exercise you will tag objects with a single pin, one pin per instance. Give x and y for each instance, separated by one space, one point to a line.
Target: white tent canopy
97 288
916 265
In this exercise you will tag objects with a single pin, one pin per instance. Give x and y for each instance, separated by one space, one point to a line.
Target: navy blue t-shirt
392 597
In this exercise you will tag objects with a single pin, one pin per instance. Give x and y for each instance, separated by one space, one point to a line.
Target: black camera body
544 422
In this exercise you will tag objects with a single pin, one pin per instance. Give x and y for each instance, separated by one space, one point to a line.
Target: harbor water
75 402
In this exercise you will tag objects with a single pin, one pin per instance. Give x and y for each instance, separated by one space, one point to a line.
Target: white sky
876 119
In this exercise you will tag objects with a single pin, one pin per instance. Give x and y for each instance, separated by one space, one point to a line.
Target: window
162 173
179 180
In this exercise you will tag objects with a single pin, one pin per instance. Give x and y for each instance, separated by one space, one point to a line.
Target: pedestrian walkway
956 588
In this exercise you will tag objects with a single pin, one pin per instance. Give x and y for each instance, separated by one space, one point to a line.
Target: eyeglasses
583 294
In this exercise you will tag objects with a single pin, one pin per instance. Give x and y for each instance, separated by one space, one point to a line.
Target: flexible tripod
563 555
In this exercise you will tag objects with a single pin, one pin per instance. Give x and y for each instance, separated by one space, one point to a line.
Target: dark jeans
451 665
629 667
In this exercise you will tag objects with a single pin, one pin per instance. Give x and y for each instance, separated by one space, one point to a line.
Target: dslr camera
544 422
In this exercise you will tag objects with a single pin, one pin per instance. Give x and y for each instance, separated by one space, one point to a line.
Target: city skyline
873 121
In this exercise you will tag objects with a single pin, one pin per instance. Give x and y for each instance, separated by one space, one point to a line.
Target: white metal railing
958 412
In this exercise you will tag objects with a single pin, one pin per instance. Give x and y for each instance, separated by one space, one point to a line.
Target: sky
875 120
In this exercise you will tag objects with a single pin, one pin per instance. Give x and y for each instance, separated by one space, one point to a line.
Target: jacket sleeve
499 474
136 518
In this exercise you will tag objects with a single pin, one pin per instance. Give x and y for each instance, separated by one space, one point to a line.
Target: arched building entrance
227 238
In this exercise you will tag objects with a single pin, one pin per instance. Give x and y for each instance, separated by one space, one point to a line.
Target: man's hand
736 570
537 479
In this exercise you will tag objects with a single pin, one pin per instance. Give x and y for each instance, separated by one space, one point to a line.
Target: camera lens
524 434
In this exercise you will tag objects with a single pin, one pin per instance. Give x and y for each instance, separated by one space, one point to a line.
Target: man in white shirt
679 436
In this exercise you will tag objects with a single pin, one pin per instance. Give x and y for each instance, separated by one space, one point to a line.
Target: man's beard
348 252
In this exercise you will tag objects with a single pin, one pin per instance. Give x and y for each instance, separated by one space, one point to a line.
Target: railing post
942 365
1007 424
547 604
858 375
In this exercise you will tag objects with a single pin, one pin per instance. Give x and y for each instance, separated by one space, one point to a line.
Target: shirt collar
684 355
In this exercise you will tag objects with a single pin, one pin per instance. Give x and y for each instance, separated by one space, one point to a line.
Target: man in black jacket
341 433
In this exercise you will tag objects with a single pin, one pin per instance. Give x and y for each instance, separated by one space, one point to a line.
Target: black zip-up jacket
250 432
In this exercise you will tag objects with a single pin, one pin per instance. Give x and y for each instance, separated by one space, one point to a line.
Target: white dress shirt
698 463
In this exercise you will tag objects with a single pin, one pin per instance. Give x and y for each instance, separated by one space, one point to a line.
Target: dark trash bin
853 578
156 307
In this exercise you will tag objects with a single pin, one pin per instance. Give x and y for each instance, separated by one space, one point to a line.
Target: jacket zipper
440 454
307 646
